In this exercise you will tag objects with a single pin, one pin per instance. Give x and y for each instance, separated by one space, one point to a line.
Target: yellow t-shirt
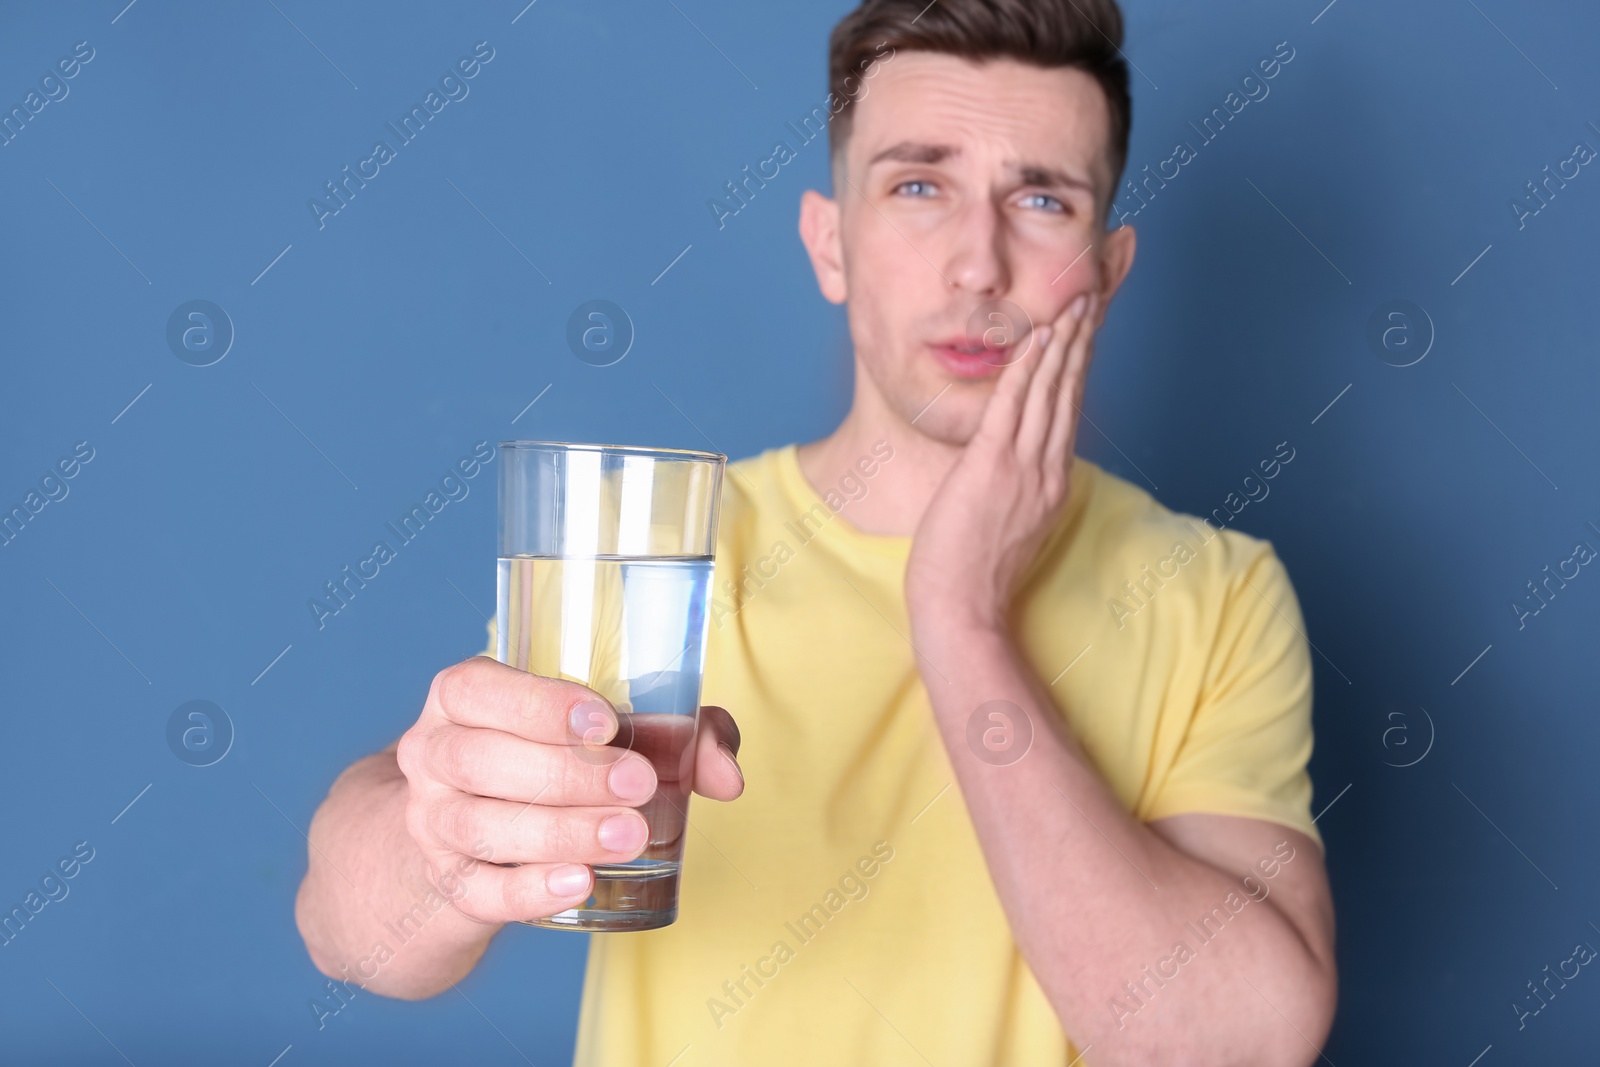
840 911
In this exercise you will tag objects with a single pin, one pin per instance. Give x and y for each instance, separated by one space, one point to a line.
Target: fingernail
1043 334
623 833
632 779
593 721
733 761
568 880
1081 302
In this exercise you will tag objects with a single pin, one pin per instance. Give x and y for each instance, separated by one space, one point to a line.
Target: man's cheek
1074 275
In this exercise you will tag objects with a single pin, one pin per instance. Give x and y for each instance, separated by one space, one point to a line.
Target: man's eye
915 188
1049 203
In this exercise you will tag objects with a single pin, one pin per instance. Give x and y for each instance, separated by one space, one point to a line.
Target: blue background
378 349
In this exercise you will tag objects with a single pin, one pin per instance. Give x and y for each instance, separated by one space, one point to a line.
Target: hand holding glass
606 556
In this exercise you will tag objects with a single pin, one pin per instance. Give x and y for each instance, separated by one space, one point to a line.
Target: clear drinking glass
606 554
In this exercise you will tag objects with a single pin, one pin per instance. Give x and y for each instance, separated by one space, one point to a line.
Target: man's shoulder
1122 524
752 481
759 465
752 496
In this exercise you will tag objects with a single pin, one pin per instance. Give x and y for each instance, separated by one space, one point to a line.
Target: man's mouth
974 357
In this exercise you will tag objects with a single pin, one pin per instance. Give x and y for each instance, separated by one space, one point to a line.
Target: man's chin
950 424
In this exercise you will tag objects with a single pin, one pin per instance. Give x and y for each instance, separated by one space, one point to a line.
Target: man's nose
979 261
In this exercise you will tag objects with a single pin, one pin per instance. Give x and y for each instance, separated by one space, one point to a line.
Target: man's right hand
507 765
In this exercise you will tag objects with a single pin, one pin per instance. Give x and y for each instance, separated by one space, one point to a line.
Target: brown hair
1086 34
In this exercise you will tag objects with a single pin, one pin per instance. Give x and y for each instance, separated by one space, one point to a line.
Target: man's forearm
367 909
1078 878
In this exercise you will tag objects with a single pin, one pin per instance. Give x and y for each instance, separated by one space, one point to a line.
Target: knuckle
535 780
560 782
406 754
568 836
581 773
451 685
447 755
507 894
454 821
525 890
521 894
417 822
548 702
470 753
465 822
476 904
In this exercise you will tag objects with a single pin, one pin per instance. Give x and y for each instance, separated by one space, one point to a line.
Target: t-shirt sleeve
1248 742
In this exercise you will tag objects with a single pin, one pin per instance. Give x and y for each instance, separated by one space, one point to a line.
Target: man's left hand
996 504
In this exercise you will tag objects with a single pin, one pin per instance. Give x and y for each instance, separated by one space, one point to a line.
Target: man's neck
900 488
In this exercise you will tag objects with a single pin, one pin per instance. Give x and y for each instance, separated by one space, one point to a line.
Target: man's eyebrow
915 152
1029 173
1050 177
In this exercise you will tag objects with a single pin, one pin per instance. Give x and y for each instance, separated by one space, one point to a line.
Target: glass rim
678 454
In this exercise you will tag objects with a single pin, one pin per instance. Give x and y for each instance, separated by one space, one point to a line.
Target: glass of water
606 555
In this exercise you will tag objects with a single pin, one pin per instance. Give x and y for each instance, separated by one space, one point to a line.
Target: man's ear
819 231
1115 262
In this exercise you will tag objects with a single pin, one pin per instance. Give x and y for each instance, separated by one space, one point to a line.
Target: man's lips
973 357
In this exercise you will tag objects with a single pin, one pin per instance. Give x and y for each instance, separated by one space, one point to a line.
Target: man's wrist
956 626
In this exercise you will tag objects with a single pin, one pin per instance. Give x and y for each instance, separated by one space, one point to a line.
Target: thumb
717 774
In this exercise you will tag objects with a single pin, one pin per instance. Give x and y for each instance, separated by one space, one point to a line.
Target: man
1025 750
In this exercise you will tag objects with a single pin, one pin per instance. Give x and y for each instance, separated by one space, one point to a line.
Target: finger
718 722
1000 414
1042 398
529 833
486 693
1069 407
665 740
490 763
717 773
490 893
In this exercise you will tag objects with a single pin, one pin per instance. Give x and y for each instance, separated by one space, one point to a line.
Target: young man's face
967 209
